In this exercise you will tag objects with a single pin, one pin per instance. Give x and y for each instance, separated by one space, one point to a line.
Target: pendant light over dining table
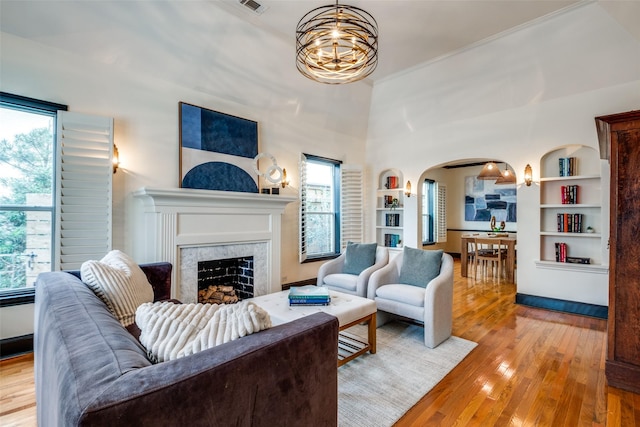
506 177
490 171
337 44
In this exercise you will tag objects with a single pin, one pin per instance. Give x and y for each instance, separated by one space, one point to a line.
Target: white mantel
178 218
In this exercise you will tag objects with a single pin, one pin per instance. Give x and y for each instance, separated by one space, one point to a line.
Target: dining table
506 240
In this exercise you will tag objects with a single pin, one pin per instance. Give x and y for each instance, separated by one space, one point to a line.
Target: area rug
377 389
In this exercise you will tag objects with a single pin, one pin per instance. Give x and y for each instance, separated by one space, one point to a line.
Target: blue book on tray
310 302
308 291
309 295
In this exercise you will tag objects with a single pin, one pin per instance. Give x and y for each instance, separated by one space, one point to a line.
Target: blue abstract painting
484 199
217 150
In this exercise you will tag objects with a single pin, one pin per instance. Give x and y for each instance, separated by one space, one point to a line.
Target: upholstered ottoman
349 309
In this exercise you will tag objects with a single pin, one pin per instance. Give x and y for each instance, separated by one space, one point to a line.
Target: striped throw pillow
120 283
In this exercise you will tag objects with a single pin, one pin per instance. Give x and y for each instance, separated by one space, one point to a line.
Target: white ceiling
414 31
411 31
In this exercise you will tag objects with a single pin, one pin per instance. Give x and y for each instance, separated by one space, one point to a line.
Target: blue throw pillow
359 257
419 267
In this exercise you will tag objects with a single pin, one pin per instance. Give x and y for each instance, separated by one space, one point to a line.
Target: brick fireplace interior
223 279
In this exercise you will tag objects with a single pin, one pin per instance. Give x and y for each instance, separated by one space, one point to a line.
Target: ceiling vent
254 6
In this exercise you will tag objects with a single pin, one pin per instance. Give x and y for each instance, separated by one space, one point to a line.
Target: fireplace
225 281
187 226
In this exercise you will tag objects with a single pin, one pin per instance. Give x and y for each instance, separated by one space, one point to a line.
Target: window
434 213
27 184
319 207
428 212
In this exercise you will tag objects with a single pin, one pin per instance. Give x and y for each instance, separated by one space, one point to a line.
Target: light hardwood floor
531 367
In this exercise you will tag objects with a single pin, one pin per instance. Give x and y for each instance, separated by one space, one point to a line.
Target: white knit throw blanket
170 331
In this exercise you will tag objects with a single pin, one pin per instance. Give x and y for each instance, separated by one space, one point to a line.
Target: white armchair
332 276
432 306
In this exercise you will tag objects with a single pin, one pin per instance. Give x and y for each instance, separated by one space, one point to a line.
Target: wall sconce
407 191
528 175
116 158
284 181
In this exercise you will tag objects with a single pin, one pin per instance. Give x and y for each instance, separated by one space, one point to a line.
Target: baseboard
300 283
573 307
623 375
15 346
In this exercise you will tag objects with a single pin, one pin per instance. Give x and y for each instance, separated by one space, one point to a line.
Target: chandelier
337 44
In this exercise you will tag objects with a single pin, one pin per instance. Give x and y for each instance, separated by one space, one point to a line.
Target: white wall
142 93
514 99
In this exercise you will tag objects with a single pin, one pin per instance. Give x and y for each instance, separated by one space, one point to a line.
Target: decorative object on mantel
272 173
407 190
490 171
528 175
337 44
506 177
217 150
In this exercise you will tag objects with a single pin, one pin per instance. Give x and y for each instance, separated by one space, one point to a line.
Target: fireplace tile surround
185 226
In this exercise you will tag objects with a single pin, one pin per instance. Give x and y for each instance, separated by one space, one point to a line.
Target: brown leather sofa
89 370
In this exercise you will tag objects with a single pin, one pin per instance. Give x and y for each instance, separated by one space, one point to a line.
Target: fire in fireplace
225 281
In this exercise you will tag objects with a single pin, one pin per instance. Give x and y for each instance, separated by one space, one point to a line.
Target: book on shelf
391 240
569 223
567 166
392 182
578 260
392 220
569 194
561 252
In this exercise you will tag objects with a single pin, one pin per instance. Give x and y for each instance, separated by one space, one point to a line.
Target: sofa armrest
438 304
333 266
382 259
279 376
159 275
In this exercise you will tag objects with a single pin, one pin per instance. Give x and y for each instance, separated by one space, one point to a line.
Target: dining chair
489 254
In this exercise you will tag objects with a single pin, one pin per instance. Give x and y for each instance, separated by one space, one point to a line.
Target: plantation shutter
84 173
303 206
351 205
441 212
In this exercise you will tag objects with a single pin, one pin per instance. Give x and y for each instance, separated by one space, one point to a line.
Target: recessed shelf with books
570 207
389 209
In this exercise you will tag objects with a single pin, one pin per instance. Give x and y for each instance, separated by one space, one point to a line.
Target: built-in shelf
569 235
386 235
585 189
568 206
569 178
567 266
